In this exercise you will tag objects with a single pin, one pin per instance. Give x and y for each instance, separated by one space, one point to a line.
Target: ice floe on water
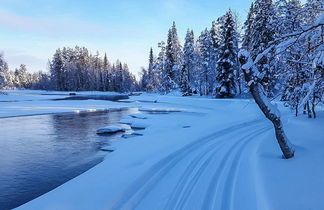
139 125
111 129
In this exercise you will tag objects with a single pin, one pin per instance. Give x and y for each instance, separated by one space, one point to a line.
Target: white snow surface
227 159
139 125
108 148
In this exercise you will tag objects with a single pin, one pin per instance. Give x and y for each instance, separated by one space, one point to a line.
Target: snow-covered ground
203 154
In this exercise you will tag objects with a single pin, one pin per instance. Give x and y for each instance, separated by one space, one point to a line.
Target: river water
39 153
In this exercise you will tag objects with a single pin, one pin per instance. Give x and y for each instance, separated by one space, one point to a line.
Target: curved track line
142 185
229 159
236 145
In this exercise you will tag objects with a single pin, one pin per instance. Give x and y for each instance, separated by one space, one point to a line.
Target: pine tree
188 63
166 84
248 31
173 58
3 72
56 69
23 76
227 64
206 70
150 72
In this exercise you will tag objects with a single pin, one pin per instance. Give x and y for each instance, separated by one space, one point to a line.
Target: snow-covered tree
227 64
77 69
56 69
189 62
301 44
23 76
173 58
166 82
248 30
3 71
260 33
269 110
150 73
206 70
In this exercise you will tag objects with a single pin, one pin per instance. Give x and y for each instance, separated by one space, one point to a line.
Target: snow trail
208 151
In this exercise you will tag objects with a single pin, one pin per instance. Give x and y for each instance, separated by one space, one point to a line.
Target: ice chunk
110 129
137 125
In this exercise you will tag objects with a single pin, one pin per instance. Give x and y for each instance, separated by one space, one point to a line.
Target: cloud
50 26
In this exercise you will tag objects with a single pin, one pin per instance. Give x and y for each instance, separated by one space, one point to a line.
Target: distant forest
72 69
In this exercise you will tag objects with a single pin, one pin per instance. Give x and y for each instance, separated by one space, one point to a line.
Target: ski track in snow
211 149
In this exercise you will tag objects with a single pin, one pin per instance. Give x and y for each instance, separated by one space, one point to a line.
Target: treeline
207 65
290 65
72 69
21 78
77 69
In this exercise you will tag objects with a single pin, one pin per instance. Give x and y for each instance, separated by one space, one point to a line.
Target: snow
226 158
139 125
108 148
139 116
110 129
167 109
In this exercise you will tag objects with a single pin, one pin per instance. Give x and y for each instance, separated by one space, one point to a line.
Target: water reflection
39 153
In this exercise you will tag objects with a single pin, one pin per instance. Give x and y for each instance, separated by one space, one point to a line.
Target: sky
31 30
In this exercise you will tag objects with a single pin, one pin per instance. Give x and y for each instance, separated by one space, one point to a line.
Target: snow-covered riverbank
214 154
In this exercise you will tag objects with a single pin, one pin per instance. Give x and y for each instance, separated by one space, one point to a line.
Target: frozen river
39 153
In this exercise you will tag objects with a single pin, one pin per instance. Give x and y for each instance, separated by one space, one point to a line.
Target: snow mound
138 125
110 129
108 148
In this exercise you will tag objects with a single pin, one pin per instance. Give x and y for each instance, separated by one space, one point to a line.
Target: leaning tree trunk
264 104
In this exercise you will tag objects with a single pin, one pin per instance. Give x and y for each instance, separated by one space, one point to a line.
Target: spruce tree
227 64
247 38
3 71
150 72
56 69
206 70
173 58
188 63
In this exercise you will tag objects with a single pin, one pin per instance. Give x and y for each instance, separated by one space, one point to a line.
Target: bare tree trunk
308 110
296 111
313 110
304 112
264 105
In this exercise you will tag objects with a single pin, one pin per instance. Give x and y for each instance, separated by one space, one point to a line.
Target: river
39 153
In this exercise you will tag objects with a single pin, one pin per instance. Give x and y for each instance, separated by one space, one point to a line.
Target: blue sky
31 30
